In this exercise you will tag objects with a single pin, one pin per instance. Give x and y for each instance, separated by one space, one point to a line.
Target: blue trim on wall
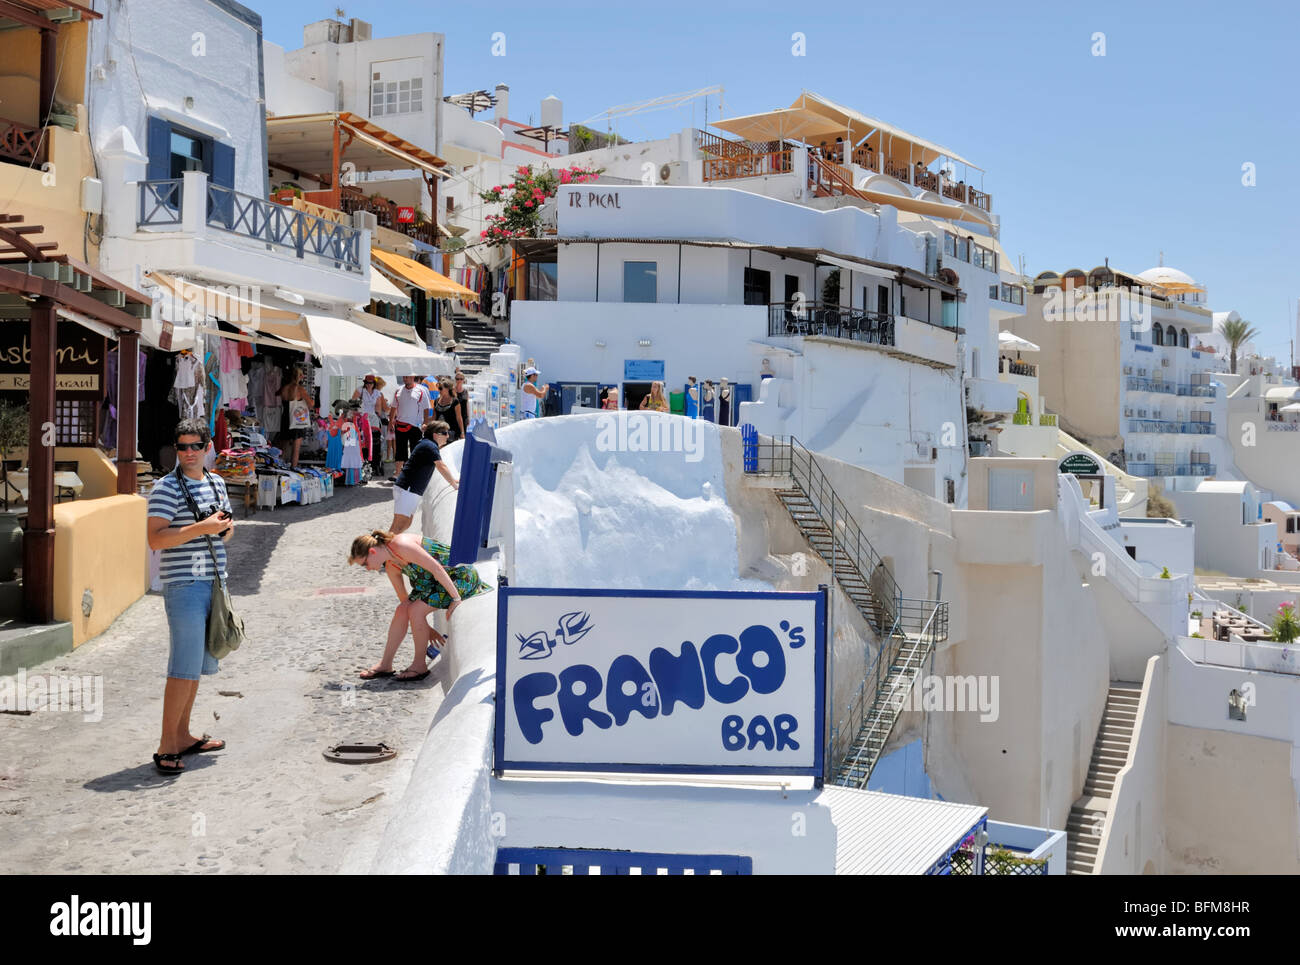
618 862
815 770
1143 348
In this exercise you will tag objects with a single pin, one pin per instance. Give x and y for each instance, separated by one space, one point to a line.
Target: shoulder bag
225 630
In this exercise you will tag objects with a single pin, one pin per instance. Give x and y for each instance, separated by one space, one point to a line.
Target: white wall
674 820
224 80
1160 543
287 93
1223 543
1135 827
707 341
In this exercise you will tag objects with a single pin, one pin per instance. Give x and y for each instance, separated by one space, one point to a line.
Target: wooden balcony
747 165
21 144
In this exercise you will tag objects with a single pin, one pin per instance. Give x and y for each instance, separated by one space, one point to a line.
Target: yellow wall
52 196
97 472
20 70
99 545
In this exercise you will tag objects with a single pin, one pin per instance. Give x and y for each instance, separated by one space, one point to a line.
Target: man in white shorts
415 475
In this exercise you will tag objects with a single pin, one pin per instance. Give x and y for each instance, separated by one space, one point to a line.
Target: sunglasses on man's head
191 446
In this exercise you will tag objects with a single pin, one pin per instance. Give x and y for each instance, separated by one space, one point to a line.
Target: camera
215 510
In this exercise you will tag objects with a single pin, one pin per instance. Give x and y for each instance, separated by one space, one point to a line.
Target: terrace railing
20 143
282 227
814 318
161 203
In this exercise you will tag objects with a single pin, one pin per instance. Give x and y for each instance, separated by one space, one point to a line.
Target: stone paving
82 796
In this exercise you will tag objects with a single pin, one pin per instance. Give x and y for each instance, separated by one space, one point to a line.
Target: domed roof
1163 275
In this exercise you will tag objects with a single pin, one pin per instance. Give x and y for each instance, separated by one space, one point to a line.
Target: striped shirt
189 561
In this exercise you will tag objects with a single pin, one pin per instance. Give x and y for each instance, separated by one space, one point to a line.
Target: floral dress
426 589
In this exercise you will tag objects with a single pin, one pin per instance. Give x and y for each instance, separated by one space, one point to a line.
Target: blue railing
1137 383
1149 469
160 203
1198 391
276 224
582 861
1168 426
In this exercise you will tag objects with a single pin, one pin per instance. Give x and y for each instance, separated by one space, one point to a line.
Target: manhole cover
336 590
360 753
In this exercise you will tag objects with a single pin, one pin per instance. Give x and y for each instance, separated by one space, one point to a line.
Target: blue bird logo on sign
569 629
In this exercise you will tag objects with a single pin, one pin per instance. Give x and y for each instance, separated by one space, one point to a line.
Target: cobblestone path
82 796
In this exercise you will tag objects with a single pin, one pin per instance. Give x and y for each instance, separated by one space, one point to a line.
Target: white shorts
405 502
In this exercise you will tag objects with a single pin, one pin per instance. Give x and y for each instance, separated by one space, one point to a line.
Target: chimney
503 103
552 112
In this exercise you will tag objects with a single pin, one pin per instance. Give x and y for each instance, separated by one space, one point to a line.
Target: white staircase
1110 753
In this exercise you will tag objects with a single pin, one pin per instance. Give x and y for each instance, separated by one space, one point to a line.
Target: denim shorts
187 606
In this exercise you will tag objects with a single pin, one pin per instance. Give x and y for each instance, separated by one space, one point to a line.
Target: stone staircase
476 340
1110 753
908 629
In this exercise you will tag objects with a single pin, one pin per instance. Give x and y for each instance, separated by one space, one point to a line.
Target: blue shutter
159 140
222 204
223 165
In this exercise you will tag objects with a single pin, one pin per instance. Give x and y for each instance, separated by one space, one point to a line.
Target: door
791 288
1011 490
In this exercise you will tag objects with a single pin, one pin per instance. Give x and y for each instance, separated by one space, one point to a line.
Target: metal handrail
275 224
161 202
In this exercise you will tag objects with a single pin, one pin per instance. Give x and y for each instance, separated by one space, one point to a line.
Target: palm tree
1236 333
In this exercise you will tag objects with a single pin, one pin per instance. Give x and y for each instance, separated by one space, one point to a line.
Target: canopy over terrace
345 346
813 117
318 146
35 285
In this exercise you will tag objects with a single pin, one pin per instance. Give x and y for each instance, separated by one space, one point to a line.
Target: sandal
176 767
198 748
413 677
376 674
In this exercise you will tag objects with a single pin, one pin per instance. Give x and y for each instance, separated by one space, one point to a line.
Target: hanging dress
350 460
334 449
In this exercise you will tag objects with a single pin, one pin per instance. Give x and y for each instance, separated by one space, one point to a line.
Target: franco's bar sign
664 681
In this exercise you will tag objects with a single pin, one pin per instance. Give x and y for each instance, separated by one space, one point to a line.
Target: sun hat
530 371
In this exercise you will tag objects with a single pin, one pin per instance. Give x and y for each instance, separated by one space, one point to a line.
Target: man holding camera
187 574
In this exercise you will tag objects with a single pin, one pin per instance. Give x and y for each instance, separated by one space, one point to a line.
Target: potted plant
1285 625
63 115
13 435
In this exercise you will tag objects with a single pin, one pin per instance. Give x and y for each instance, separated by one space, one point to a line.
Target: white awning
345 348
888 834
1283 392
386 326
1011 342
383 290
857 267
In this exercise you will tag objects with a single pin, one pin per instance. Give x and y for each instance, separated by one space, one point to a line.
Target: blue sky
1087 157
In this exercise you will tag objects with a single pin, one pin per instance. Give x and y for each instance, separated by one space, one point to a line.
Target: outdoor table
64 482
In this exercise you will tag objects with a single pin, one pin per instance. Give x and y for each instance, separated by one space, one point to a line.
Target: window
758 286
950 490
791 287
950 244
1157 334
394 88
882 299
543 281
640 282
963 249
189 153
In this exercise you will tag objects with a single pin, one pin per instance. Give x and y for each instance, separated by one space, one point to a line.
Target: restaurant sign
79 370
405 215
670 681
1080 464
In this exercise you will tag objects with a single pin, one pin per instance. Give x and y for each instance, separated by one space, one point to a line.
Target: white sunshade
1011 342
887 834
345 348
1281 392
1290 407
383 290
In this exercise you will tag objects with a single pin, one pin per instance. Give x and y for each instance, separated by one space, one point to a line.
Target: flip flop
198 748
413 677
176 758
376 674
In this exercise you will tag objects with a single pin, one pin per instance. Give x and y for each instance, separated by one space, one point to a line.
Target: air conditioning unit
1142 413
1128 412
1165 362
1142 371
1155 413
1128 370
922 450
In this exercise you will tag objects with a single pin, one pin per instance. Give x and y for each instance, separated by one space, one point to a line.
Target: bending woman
433 587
